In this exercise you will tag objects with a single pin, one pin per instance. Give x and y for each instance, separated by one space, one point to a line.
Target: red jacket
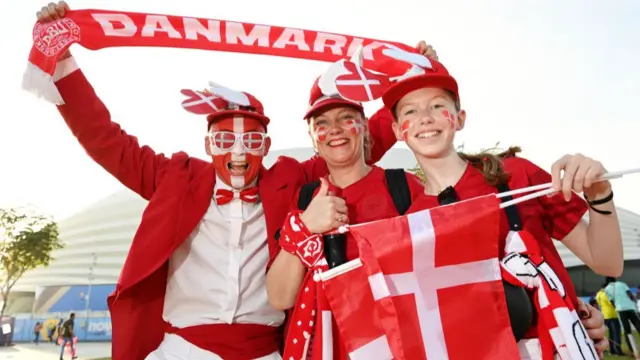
179 190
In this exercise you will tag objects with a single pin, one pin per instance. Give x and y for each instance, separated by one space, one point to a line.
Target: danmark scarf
100 29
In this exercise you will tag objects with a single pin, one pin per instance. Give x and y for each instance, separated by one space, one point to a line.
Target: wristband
602 201
296 239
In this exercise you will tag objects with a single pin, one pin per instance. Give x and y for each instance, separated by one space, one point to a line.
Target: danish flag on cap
219 101
342 83
397 72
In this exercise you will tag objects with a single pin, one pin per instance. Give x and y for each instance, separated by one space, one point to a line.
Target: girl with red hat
426 106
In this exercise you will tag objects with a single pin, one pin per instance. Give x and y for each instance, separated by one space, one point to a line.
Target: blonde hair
490 163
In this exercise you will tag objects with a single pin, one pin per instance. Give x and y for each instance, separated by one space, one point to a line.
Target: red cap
218 106
436 77
319 102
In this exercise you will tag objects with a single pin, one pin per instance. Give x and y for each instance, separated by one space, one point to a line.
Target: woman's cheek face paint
320 133
354 126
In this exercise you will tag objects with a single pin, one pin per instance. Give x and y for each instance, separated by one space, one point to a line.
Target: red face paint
237 146
405 129
320 132
354 126
450 118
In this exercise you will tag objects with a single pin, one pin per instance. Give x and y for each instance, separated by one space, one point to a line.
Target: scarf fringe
40 83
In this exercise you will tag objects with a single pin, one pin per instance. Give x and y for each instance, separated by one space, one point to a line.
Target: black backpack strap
304 199
512 211
521 311
398 188
306 194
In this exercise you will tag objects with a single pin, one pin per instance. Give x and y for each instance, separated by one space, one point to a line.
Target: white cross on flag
360 84
428 287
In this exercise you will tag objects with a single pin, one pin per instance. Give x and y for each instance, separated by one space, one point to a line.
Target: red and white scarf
310 330
560 330
99 29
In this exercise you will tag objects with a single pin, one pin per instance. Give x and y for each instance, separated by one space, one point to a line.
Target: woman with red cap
354 192
426 105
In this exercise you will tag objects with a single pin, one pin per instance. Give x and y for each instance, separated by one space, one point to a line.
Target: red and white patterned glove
296 239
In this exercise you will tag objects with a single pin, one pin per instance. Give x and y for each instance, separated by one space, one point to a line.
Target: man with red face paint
193 283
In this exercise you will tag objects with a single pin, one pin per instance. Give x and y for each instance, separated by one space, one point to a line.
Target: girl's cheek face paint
406 124
450 118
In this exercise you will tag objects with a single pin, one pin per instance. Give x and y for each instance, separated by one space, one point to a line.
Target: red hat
397 73
219 102
435 76
318 101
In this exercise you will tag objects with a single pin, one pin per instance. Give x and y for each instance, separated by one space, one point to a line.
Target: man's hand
325 212
427 50
54 12
593 321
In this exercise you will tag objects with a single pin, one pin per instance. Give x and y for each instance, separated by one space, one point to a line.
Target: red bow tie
224 196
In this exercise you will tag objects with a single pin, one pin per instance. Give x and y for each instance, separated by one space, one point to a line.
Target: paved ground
86 351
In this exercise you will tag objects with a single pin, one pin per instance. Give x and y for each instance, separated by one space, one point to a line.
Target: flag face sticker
441 271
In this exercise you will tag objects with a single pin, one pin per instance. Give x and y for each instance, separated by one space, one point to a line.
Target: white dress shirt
218 274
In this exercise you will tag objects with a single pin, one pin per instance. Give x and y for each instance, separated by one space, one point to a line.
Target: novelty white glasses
226 140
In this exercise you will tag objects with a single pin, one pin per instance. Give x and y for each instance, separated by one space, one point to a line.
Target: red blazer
179 190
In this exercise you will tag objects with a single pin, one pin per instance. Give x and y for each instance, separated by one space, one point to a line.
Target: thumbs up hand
326 212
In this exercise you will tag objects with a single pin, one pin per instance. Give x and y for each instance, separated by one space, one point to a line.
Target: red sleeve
561 216
382 134
137 167
313 169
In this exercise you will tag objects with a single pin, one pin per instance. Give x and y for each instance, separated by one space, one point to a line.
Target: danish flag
360 84
426 286
202 102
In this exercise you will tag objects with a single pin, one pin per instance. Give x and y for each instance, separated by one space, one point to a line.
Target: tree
417 171
26 242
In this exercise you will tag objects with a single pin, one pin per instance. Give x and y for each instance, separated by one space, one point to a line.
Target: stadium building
97 240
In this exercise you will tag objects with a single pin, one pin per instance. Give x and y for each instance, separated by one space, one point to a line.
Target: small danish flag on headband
218 98
202 102
231 96
355 83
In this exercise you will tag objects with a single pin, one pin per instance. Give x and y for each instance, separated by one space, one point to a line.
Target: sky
554 77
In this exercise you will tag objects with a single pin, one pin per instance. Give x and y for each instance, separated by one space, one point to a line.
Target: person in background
611 321
68 334
51 332
36 332
58 331
624 302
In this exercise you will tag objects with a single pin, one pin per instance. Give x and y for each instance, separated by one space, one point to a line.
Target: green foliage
417 171
26 242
